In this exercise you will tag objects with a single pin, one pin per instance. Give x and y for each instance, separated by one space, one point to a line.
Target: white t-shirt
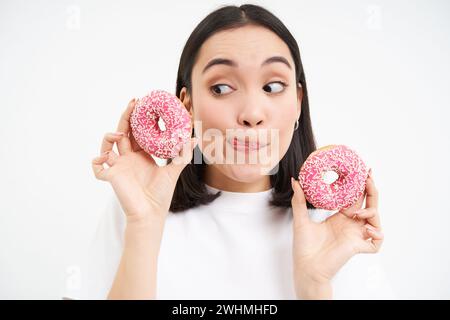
236 247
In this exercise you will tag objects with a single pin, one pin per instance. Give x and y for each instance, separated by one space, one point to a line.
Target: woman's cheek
208 127
210 111
284 141
285 131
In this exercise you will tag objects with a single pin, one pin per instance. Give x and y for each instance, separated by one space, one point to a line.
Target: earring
296 125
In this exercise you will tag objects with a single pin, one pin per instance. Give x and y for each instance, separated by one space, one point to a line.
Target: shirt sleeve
99 265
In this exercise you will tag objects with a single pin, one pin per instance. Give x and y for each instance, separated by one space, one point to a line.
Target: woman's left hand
321 249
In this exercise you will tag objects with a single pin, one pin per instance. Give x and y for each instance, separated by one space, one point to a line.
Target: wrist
146 221
144 232
311 289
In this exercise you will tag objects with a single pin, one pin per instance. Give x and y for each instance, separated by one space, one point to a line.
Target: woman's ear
186 99
299 99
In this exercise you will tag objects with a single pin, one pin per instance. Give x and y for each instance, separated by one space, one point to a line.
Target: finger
178 163
124 144
108 141
367 213
97 166
111 159
124 122
298 202
372 192
350 212
372 203
371 215
134 145
373 244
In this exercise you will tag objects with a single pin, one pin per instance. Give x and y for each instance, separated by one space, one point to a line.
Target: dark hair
190 190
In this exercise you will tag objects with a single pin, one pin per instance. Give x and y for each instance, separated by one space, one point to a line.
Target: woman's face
244 107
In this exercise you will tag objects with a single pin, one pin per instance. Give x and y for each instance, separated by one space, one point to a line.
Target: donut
349 186
164 143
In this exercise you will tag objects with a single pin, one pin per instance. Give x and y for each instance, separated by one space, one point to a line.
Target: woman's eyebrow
231 63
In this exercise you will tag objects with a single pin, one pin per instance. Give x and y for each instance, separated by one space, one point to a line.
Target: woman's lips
246 145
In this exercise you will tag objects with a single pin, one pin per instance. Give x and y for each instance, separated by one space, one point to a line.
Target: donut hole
161 124
329 176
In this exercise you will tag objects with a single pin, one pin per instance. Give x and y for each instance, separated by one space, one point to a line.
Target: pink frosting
166 143
342 193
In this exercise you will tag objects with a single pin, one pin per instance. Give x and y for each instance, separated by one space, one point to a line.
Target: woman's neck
214 178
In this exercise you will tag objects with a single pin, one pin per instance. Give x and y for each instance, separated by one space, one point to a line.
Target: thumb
299 209
184 157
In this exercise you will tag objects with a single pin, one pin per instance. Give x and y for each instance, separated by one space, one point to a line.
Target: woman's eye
220 89
274 87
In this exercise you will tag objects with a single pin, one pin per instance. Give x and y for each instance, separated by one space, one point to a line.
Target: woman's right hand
144 189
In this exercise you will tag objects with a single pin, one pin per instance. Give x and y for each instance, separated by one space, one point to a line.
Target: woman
211 229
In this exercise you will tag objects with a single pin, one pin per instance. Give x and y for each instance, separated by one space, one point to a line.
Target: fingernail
370 172
105 153
374 232
118 133
370 229
358 211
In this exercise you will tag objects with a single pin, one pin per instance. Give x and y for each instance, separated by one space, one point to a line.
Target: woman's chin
245 173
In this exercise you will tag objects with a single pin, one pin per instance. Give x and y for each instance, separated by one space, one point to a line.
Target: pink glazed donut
149 136
343 192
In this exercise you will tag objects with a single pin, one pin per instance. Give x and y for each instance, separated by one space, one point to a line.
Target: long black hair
190 190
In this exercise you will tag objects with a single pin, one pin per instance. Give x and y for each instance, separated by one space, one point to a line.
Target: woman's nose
252 116
251 123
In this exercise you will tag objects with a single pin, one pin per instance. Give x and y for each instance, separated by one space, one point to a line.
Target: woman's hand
143 188
321 249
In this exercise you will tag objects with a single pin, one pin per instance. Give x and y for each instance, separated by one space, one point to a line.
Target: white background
378 74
